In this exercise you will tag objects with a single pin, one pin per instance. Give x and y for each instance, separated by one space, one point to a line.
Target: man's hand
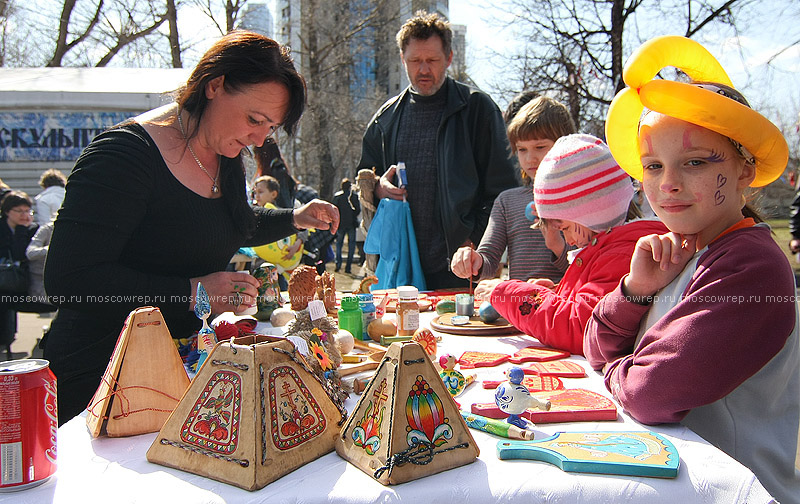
386 188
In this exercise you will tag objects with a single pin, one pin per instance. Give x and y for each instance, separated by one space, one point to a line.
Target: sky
772 89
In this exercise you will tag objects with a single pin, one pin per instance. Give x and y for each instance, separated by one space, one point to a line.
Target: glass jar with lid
407 310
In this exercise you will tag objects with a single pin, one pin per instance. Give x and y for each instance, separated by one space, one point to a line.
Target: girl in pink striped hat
580 190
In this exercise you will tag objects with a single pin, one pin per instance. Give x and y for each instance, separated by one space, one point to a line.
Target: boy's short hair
271 182
52 177
423 26
539 119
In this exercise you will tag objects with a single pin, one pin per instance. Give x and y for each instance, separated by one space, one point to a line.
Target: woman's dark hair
244 58
14 199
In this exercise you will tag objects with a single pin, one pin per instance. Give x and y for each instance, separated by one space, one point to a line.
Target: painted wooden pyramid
143 382
406 425
253 413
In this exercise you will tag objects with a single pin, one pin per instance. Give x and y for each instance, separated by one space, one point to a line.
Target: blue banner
51 136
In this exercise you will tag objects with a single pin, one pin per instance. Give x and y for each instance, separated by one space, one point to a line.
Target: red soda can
28 423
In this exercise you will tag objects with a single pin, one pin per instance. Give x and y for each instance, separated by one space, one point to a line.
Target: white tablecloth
108 470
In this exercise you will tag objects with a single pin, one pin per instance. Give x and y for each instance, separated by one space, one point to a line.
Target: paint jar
350 315
367 306
465 305
407 310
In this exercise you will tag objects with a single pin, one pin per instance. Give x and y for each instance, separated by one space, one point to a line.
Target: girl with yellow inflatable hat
702 330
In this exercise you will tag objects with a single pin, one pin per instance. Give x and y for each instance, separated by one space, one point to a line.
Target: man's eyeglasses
21 211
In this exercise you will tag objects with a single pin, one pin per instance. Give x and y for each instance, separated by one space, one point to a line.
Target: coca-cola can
28 423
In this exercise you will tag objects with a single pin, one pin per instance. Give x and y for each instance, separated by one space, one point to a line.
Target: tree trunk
174 40
617 27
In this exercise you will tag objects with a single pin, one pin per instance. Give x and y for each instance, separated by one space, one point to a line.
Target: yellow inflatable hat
690 103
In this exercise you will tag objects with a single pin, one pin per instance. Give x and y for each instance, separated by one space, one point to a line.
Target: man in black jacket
347 202
452 140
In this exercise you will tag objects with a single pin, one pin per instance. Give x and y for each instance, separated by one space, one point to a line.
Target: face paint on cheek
719 198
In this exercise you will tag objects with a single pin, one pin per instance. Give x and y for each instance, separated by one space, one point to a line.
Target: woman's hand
483 291
227 290
466 263
386 188
317 214
656 261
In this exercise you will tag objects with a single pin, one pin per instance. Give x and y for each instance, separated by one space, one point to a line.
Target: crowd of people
646 299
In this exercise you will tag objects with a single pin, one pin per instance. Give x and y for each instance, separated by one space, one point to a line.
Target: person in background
516 103
49 200
16 230
265 191
794 225
36 254
346 200
453 143
703 330
532 253
157 204
581 191
270 162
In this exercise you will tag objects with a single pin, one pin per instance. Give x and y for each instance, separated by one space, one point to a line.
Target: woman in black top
158 203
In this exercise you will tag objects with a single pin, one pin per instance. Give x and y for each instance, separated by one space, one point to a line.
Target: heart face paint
692 176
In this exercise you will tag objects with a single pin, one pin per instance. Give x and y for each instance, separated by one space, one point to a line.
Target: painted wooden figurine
513 398
206 338
454 380
269 292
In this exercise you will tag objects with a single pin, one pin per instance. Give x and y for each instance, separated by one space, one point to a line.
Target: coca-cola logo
51 410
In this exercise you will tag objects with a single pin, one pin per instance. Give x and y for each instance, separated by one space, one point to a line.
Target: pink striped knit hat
579 181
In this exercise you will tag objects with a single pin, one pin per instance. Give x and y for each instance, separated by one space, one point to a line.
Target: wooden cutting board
475 326
568 405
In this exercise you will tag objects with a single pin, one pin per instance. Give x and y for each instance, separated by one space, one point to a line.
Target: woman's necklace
214 186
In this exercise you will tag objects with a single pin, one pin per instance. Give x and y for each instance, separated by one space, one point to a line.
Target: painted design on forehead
687 135
719 198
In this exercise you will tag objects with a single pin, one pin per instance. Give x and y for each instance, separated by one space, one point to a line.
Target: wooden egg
281 316
487 313
381 327
344 340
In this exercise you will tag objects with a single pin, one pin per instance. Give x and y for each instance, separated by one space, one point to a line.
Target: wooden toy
564 369
626 453
269 292
538 354
372 361
513 398
568 405
454 381
206 338
475 326
388 340
445 306
471 360
426 340
496 427
366 283
487 313
302 286
534 383
143 382
406 425
281 316
326 290
381 327
254 412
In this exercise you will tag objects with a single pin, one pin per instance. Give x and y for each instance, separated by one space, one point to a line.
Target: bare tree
576 49
174 39
229 9
337 43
